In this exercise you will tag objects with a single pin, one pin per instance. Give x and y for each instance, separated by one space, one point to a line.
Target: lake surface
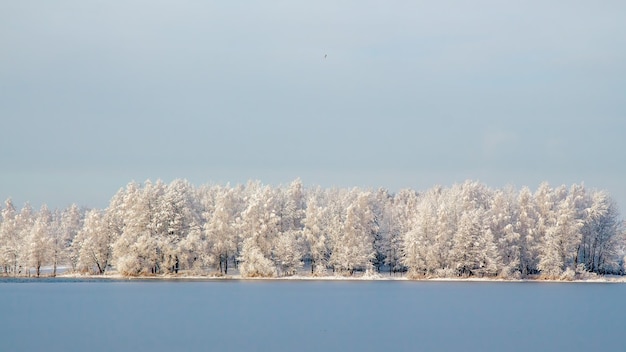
230 315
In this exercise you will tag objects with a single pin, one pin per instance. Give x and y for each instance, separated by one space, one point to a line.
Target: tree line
466 230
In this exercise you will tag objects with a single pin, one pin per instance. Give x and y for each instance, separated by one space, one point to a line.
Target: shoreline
186 277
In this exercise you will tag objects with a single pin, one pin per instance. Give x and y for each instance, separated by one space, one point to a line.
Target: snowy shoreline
184 277
303 275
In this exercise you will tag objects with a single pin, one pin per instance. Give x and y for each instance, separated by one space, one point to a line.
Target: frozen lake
229 315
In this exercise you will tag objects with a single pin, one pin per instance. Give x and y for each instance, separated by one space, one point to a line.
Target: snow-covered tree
38 241
529 233
354 250
489 259
177 216
316 236
473 249
546 200
288 249
382 231
220 230
291 206
135 250
9 239
449 209
24 224
288 252
253 262
560 240
70 224
601 230
259 226
57 242
95 241
502 217
399 218
420 234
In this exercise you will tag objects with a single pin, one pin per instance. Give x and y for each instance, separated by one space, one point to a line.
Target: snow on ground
356 277
305 275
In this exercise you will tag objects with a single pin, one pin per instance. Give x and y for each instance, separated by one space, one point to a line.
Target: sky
394 94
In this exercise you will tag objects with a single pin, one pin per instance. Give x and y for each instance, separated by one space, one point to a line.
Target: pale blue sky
94 94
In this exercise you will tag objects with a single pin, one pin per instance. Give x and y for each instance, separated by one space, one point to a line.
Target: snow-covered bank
304 274
362 277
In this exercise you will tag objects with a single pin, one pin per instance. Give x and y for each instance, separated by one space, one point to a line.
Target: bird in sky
325 56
